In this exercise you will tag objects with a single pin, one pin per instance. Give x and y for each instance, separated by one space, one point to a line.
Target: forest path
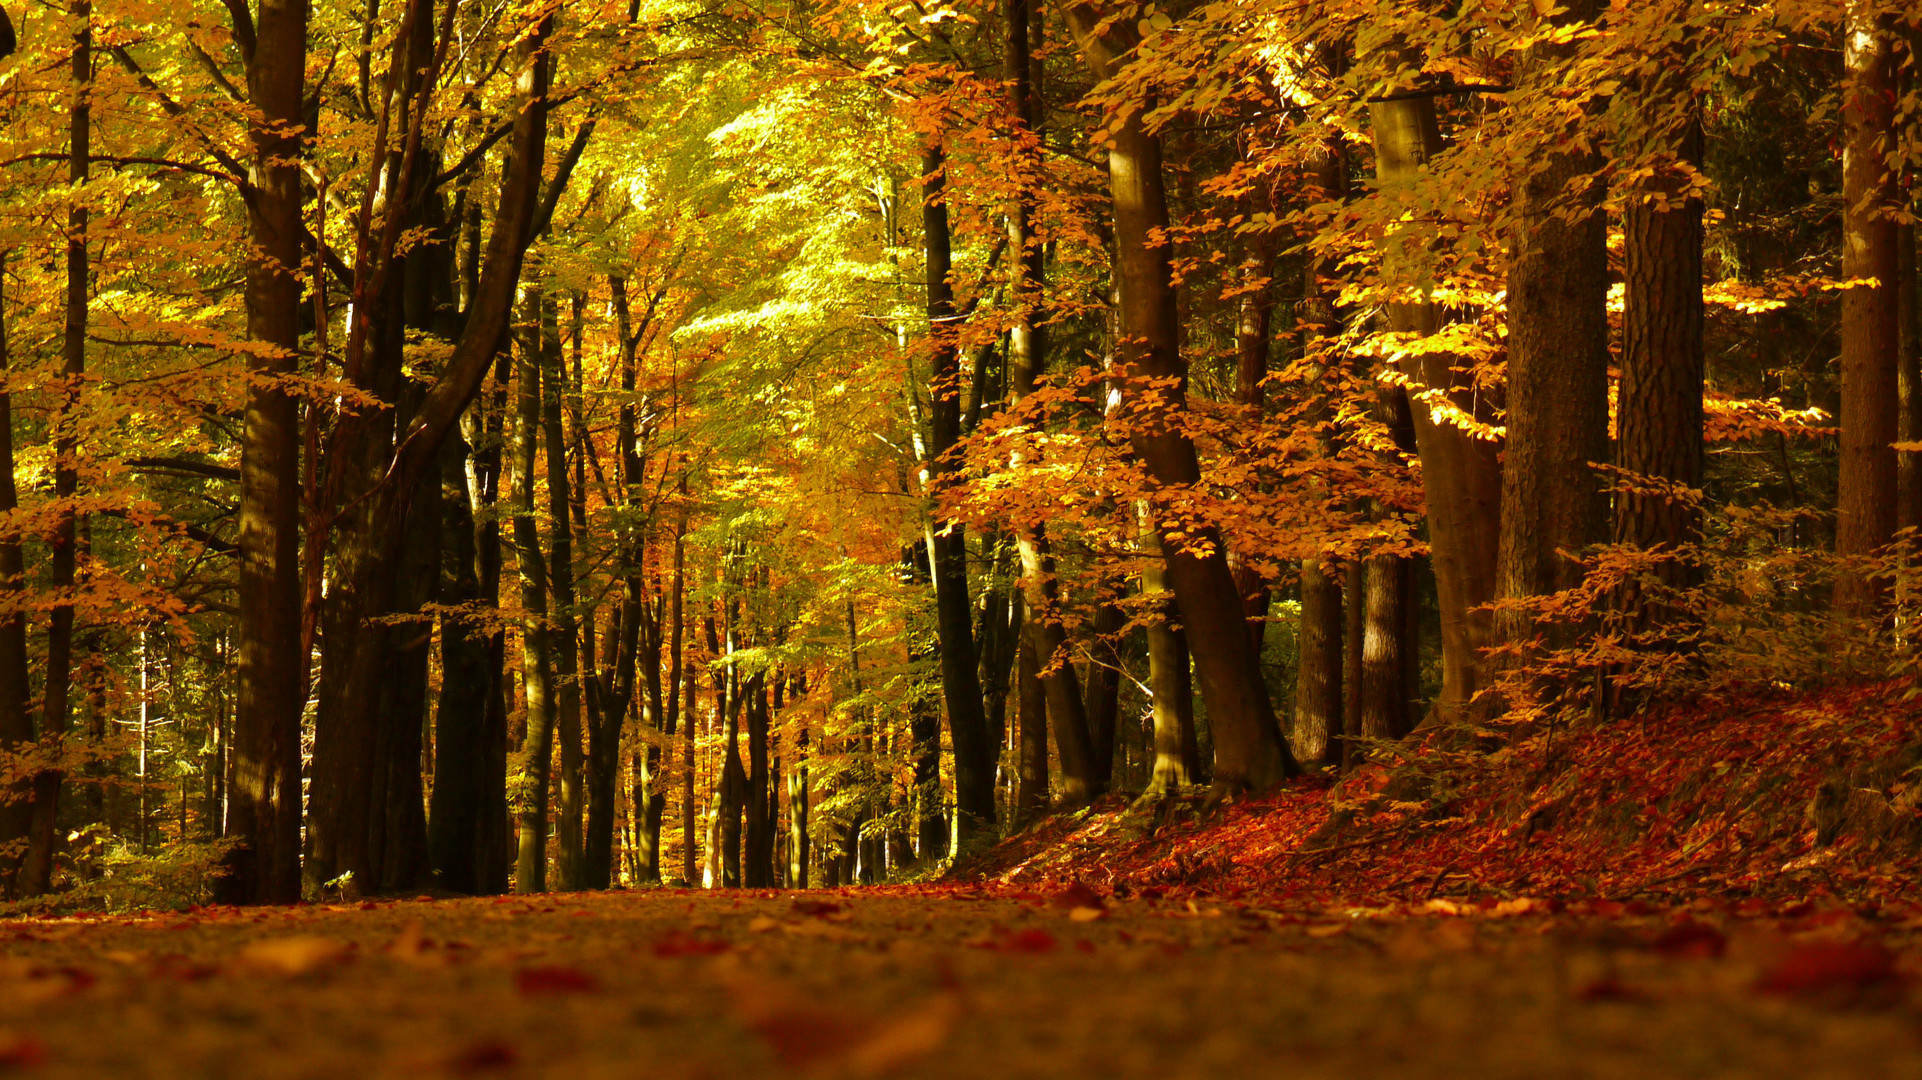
952 983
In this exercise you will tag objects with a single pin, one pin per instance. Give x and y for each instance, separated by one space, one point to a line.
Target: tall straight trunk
456 814
563 622
1865 512
1031 766
797 815
1249 750
948 546
537 645
1354 574
36 871
1908 477
1461 474
1177 757
1659 425
1552 500
1027 359
1000 629
757 854
263 807
1318 713
690 868
16 722
494 835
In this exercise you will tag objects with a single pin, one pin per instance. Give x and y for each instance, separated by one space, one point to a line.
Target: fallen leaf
677 943
1087 914
20 1052
487 1055
1609 988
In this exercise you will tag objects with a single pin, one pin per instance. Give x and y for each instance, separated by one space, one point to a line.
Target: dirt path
947 983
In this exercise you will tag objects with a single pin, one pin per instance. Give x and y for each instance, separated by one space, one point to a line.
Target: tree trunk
1865 515
1461 473
537 645
16 722
455 820
757 857
1249 751
797 815
1102 690
948 549
563 653
1659 411
1318 714
1382 692
1031 792
1177 761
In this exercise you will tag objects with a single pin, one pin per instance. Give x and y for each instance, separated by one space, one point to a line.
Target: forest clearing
859 537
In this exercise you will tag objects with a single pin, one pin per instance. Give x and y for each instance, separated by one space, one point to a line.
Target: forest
1382 452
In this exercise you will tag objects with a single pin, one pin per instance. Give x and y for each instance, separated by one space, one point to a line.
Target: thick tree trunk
1866 502
757 857
1382 691
1908 476
263 810
1552 500
1461 474
1318 713
1249 751
1101 690
455 820
1659 411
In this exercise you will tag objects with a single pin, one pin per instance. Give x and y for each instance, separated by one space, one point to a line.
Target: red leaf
1078 895
1828 967
554 980
816 908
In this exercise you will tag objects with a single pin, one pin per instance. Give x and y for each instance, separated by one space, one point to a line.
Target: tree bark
1318 713
16 722
1866 503
1249 751
1177 761
1031 791
36 870
1659 411
537 646
1461 473
948 550
1557 395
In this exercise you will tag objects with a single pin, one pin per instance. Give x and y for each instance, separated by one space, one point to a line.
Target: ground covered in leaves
963 982
1762 799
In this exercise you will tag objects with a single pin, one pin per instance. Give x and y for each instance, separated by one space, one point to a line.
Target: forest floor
1728 888
956 981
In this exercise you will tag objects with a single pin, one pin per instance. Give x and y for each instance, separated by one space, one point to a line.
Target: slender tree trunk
36 871
537 646
1866 494
1102 689
1177 762
563 654
948 549
1461 473
1031 792
1249 751
690 868
797 810
16 721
